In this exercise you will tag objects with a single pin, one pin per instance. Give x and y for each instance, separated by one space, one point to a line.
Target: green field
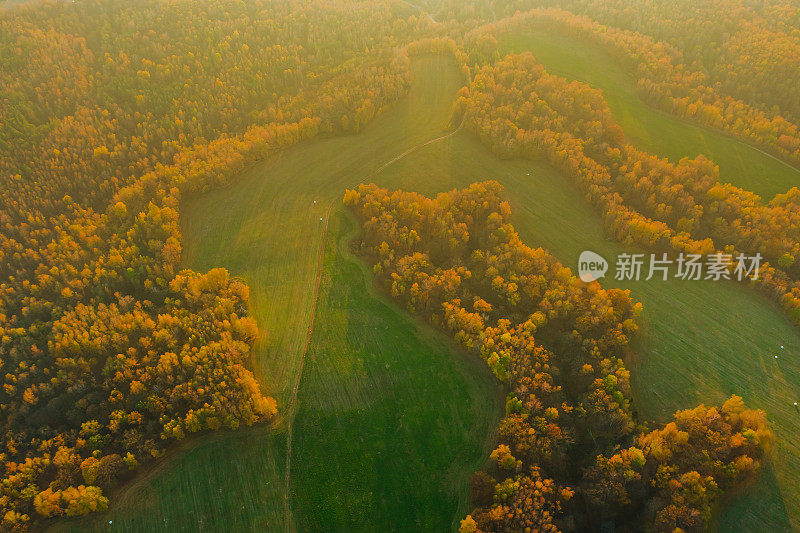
396 395
390 425
700 341
391 420
650 129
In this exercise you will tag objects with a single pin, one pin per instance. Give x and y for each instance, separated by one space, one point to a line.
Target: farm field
700 341
228 482
657 132
690 350
390 424
265 227
257 271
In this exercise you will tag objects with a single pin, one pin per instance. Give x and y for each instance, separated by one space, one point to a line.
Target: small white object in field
315 201
776 357
781 346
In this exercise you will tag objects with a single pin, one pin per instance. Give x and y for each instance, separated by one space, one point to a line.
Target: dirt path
290 408
289 412
419 8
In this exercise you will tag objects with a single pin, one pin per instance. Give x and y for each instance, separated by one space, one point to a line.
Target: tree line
113 112
520 110
571 453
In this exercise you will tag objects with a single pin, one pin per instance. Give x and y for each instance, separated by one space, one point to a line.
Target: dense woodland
112 112
747 50
571 453
664 79
522 111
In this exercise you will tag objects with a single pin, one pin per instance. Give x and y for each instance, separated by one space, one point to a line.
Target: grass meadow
650 129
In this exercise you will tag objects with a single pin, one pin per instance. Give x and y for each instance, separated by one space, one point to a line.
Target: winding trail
421 10
292 405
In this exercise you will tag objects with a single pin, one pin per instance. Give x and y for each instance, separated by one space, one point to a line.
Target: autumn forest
313 265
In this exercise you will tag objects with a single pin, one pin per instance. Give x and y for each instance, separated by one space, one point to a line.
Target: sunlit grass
392 419
650 129
699 342
266 228
357 419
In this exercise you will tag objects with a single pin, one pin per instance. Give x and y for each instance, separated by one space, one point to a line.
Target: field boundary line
292 405
421 10
290 408
411 150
